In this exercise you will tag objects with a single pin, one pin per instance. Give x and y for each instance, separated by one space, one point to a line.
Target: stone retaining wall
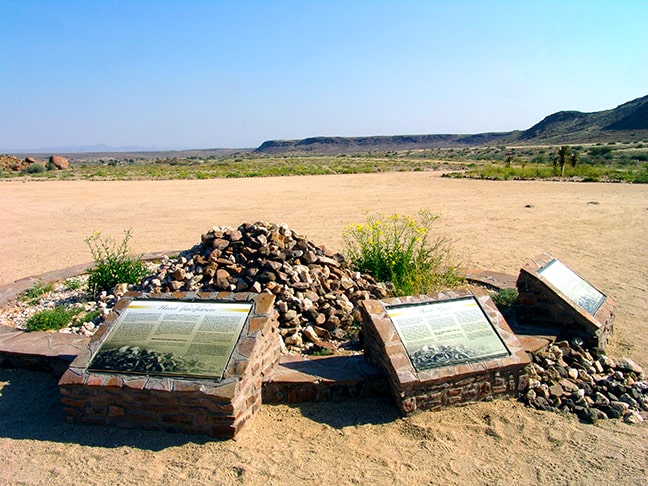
218 408
448 385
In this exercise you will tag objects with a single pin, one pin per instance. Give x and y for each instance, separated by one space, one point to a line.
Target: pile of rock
565 377
9 162
316 291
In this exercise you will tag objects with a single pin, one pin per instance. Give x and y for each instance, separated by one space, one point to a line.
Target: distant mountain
84 149
627 122
326 145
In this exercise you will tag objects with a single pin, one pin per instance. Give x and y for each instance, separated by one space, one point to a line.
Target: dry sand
600 230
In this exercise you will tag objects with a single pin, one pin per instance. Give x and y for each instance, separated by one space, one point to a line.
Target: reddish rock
59 162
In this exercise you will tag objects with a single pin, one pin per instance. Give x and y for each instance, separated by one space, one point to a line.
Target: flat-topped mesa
316 290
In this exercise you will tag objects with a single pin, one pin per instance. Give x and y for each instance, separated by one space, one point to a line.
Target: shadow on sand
30 408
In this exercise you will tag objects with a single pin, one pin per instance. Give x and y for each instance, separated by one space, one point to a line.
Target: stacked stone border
543 305
218 408
439 387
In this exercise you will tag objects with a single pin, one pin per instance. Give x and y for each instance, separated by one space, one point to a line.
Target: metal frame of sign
454 339
172 338
574 287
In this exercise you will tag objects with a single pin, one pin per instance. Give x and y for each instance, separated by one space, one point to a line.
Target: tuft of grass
73 284
401 250
37 290
112 263
89 317
505 297
52 319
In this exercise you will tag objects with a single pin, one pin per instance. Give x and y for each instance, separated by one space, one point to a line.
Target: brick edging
11 290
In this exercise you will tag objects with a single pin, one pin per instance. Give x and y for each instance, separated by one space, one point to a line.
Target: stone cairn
565 377
316 291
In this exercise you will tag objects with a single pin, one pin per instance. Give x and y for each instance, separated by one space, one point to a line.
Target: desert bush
401 250
51 319
112 263
34 168
505 297
605 152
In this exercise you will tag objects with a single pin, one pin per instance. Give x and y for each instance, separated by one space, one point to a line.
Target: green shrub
505 297
51 319
34 168
37 290
112 264
73 284
400 250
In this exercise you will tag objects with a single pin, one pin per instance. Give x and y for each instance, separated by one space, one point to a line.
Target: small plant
112 263
400 250
51 319
38 290
505 297
73 284
89 317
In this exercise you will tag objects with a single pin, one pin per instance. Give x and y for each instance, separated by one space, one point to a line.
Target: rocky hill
627 122
329 145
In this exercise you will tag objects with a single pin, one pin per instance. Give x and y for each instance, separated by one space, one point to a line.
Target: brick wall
434 388
541 304
218 408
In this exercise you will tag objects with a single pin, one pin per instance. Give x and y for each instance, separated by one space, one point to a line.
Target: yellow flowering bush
400 249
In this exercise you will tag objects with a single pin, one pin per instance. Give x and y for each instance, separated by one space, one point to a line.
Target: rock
59 162
120 289
626 398
311 335
621 407
589 415
542 403
568 385
633 418
626 364
571 381
642 386
294 340
607 362
30 160
556 391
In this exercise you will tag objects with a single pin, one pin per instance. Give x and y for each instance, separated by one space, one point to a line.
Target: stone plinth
446 385
542 304
214 407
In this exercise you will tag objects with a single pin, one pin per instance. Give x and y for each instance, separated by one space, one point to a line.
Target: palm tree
563 155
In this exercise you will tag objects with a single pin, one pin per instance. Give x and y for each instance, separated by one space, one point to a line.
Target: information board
172 338
447 332
575 288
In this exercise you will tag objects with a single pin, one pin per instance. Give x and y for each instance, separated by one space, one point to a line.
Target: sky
232 74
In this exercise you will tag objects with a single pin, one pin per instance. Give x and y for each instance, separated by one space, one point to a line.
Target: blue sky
205 74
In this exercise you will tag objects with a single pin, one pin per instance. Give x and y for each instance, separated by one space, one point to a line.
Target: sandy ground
600 230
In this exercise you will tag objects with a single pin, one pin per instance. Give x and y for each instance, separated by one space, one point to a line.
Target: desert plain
600 230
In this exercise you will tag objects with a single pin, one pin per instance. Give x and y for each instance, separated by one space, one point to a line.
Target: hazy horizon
202 74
